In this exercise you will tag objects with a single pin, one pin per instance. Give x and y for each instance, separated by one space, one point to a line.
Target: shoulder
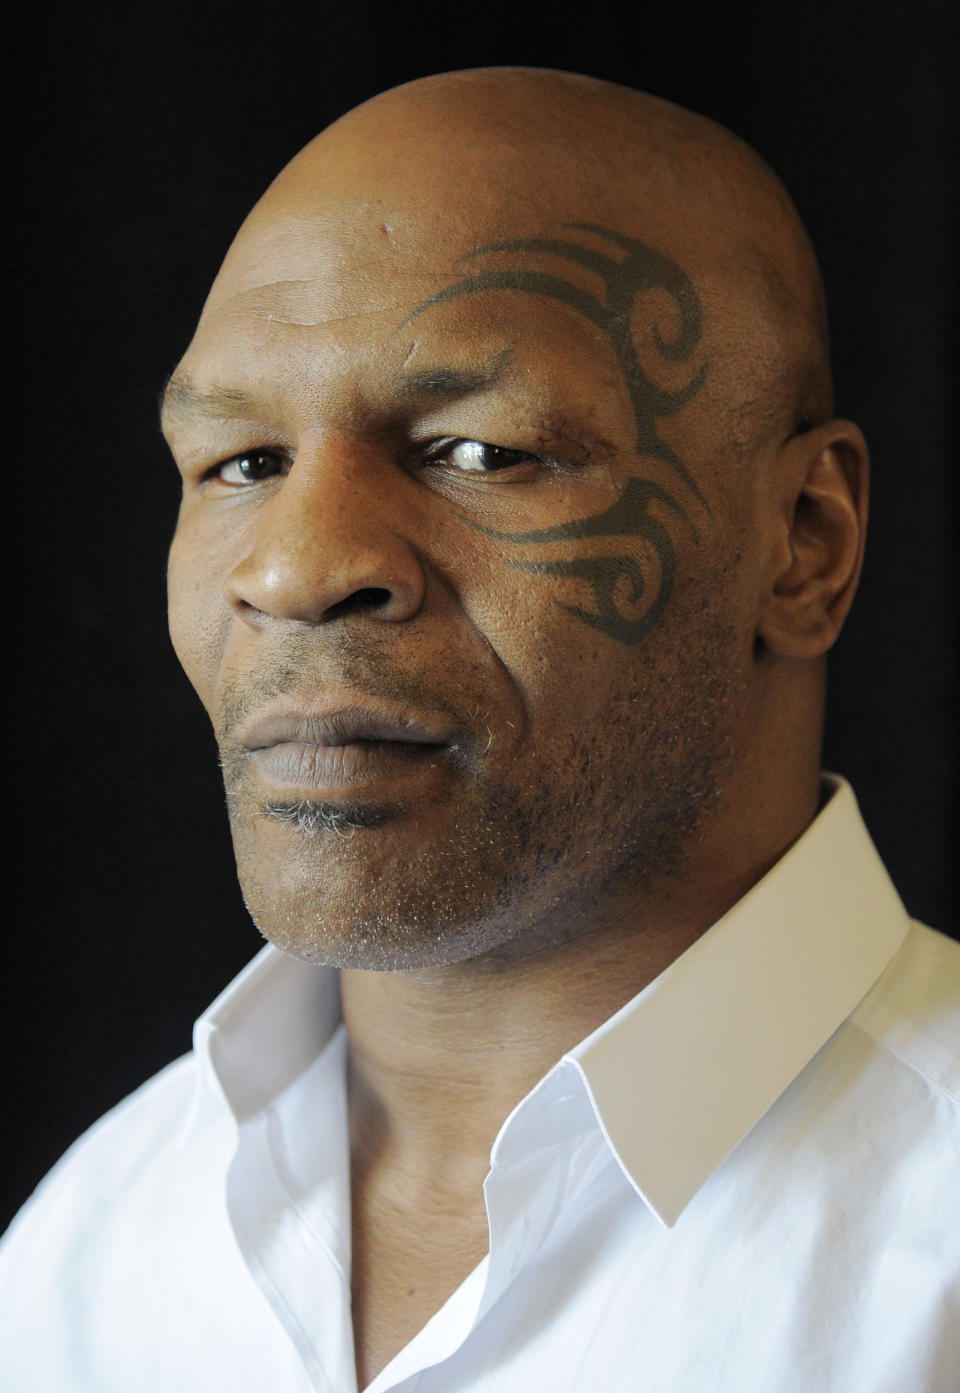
118 1145
81 1258
108 1161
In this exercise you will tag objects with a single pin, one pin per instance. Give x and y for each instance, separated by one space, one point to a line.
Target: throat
418 1217
413 1244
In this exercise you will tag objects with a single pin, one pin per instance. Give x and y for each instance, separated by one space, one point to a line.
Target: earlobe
821 499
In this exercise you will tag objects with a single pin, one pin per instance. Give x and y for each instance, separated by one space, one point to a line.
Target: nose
330 539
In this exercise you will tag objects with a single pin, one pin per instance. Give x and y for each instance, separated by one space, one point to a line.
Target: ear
819 491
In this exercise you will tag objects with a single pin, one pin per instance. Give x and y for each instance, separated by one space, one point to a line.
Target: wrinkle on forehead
304 302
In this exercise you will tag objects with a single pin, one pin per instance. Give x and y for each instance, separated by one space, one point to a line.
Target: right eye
252 467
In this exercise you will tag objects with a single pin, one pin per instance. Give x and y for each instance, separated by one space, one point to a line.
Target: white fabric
746 1181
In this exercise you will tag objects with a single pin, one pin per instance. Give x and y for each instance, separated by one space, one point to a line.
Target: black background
142 136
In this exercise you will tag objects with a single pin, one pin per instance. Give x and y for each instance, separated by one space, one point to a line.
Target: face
449 580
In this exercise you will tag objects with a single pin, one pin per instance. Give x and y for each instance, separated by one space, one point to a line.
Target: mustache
366 671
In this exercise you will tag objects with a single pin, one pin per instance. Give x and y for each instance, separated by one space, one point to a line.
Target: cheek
551 657
586 647
199 617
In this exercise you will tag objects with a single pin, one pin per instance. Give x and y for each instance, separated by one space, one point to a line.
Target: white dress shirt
746 1181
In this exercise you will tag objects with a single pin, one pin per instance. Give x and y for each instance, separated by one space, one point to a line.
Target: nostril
367 598
372 597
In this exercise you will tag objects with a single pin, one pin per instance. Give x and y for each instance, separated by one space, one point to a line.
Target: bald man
593 1048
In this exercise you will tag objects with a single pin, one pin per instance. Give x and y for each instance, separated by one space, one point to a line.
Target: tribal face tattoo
618 583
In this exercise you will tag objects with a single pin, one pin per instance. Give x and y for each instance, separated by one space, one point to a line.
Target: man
516 527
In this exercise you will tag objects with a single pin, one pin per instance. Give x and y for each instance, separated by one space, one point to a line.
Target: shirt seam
303 1344
282 1170
907 1060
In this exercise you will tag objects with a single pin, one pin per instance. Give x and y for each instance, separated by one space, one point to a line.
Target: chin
362 899
384 889
403 938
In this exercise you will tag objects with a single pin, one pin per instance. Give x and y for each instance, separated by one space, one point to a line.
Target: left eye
476 457
249 468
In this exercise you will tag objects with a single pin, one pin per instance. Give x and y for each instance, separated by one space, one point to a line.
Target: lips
316 751
334 729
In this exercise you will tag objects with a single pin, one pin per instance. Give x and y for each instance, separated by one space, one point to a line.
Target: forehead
366 220
383 211
376 292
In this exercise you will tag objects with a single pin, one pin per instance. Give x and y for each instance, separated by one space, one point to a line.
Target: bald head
471 158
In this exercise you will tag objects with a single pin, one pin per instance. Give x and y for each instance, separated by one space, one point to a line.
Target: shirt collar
678 1076
681 1074
261 1033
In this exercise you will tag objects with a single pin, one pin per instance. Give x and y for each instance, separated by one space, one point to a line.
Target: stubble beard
517 862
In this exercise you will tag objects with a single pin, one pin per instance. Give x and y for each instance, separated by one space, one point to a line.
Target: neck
440 1056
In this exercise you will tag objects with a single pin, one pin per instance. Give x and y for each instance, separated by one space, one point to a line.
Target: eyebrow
448 383
180 398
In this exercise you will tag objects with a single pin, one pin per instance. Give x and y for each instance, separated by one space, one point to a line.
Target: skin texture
515 723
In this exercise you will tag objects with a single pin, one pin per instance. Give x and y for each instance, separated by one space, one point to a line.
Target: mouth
321 753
